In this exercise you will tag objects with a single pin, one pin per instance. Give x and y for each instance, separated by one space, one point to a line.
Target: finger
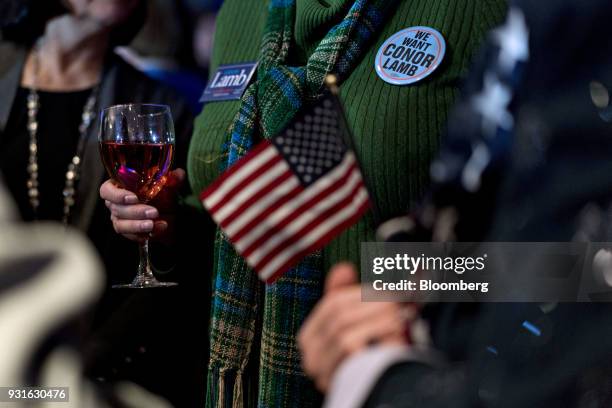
322 383
358 314
132 226
174 179
114 194
159 228
352 315
134 212
357 338
375 331
336 315
310 342
398 339
409 312
166 200
334 311
177 177
312 353
343 308
305 335
341 275
341 302
326 309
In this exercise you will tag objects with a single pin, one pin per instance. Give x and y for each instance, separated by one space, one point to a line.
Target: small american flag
292 194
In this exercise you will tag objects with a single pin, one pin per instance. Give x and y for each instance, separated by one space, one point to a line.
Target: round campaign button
410 55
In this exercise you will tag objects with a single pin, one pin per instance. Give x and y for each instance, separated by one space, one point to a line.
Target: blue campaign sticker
229 82
410 55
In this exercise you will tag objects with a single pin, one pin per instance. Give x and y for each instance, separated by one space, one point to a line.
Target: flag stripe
275 214
253 177
318 245
277 242
236 174
259 180
274 220
286 187
277 217
317 238
297 220
295 236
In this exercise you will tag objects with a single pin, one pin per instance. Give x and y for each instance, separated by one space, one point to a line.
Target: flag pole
331 82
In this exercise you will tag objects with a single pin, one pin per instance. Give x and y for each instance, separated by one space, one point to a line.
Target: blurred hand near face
341 325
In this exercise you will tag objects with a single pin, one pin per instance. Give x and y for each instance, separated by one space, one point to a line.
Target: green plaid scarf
267 106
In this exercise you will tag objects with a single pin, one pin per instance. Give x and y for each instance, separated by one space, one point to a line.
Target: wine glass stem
145 274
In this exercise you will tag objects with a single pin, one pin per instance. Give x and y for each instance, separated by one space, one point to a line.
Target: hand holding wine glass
137 145
132 219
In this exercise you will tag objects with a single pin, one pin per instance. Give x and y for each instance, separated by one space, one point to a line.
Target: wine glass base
144 285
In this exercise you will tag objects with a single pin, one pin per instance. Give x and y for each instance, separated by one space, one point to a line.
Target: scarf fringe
221 395
218 389
237 400
212 389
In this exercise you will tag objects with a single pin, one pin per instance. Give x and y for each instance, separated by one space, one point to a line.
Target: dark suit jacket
555 169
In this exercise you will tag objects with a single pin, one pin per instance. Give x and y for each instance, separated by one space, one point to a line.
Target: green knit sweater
396 128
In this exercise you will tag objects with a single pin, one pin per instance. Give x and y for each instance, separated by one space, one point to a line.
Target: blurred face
106 12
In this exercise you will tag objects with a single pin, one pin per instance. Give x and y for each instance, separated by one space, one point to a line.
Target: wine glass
137 145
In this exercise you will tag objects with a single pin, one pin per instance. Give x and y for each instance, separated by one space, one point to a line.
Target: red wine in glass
138 167
137 146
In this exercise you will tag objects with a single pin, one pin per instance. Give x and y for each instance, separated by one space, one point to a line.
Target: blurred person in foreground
527 158
48 277
58 69
254 356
